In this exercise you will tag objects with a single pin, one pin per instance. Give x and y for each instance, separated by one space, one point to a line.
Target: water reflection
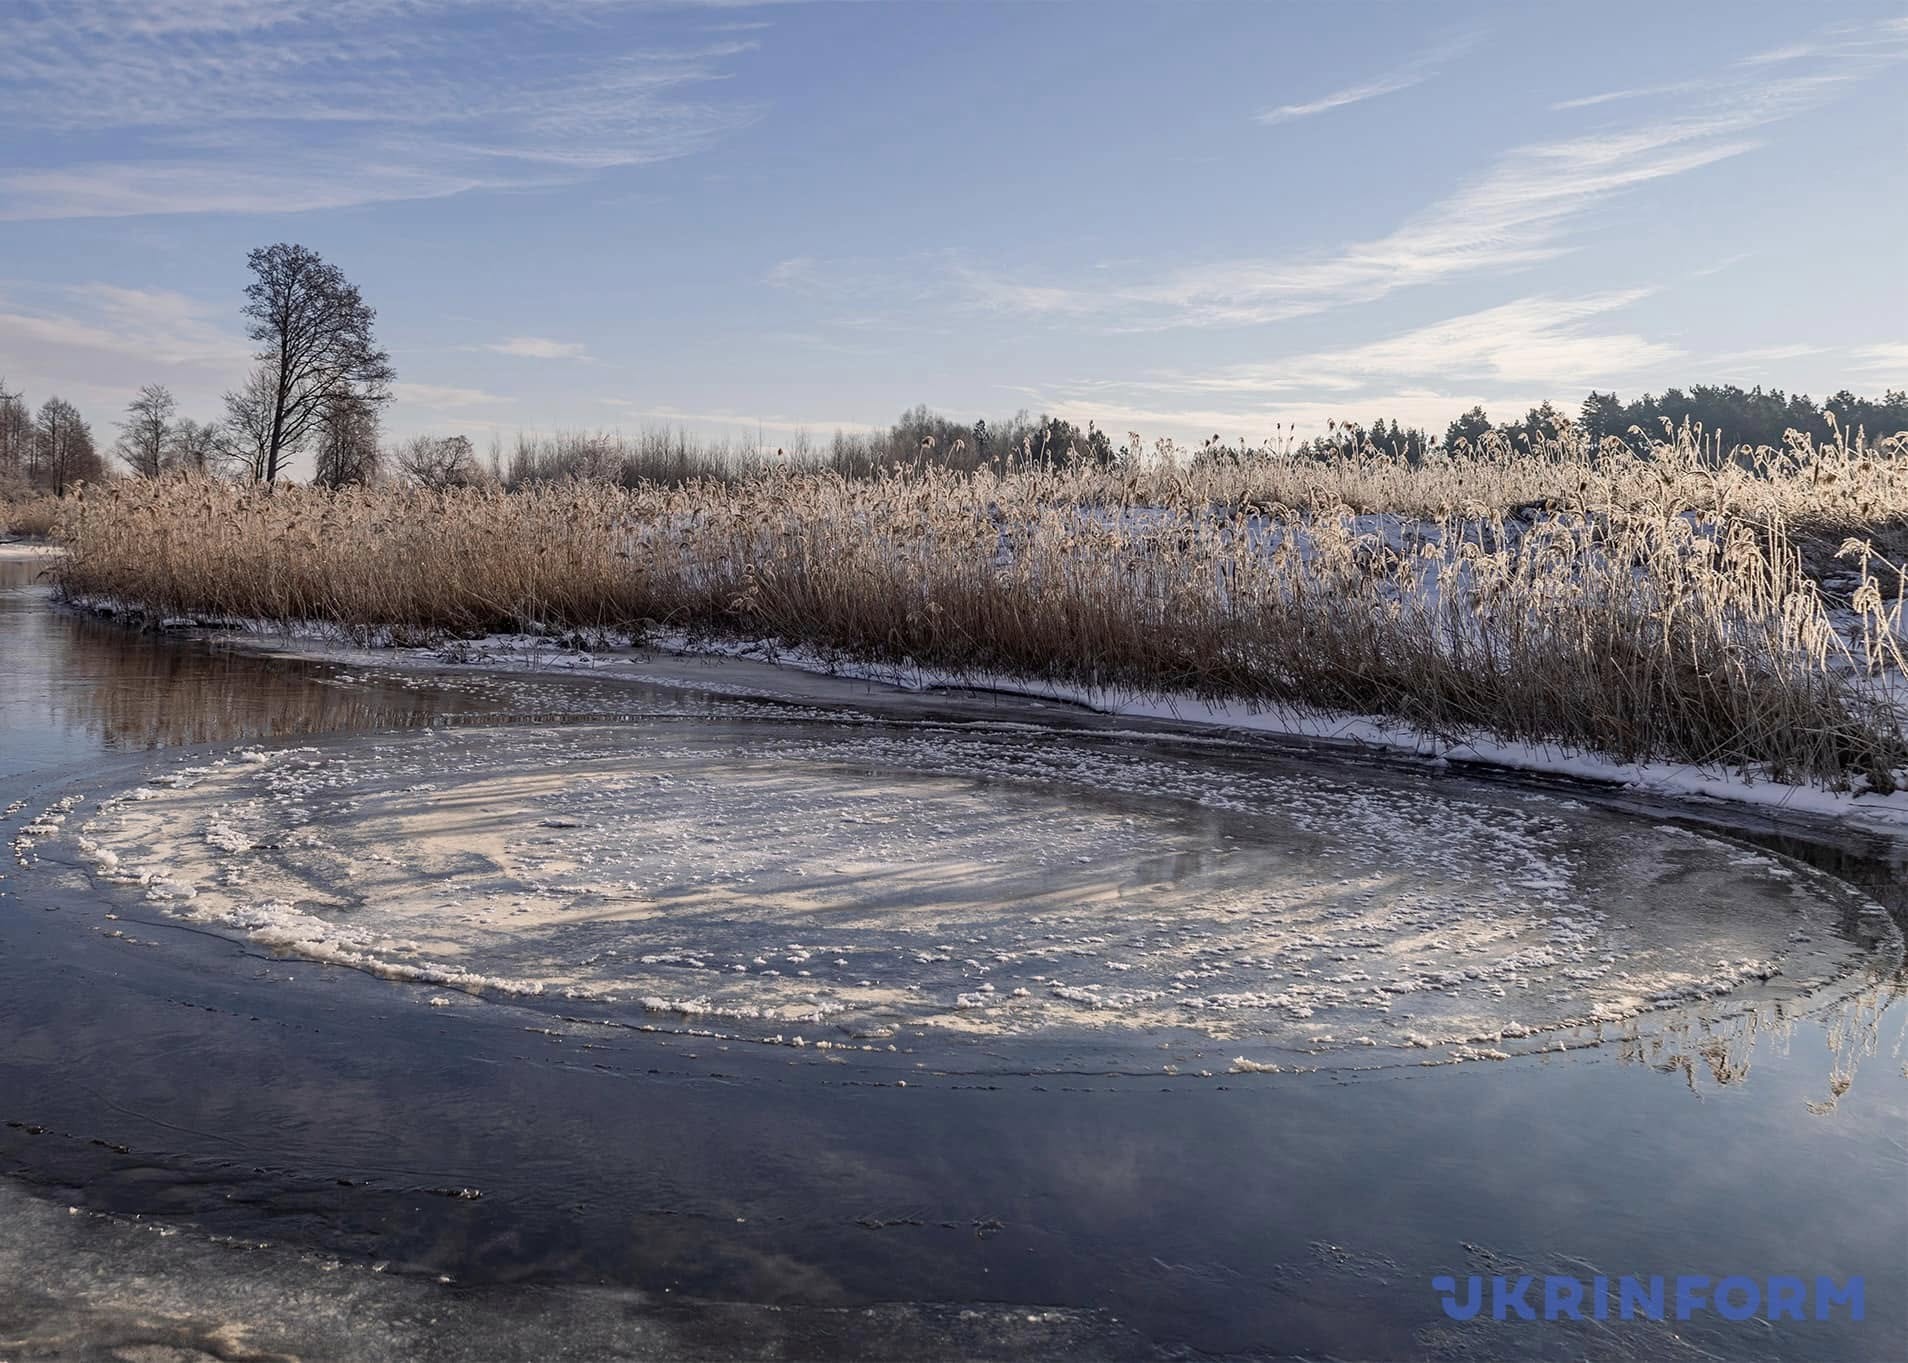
71 685
1712 1047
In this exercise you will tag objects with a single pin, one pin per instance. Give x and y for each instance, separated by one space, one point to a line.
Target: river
423 1108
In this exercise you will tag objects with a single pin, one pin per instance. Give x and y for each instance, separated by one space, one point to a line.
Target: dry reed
34 518
1642 606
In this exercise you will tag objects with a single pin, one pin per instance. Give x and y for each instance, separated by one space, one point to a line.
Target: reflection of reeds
1705 1045
143 692
1644 606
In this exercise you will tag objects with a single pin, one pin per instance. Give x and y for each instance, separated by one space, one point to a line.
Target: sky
1182 218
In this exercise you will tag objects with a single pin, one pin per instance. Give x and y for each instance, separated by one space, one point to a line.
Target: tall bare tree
194 445
347 443
16 437
66 454
314 334
439 462
246 442
145 434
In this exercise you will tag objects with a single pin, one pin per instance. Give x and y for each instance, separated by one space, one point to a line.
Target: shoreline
1684 785
22 548
1689 787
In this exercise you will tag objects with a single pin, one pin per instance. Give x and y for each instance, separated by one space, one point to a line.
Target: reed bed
1643 605
34 517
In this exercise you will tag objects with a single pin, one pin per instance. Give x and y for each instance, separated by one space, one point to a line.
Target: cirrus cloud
540 348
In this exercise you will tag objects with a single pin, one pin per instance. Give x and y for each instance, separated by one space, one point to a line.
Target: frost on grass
844 884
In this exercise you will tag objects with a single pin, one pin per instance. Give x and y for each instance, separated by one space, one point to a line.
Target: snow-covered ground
848 885
27 550
1671 780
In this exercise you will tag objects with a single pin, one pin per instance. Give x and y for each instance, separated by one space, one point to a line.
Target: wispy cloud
96 343
737 420
1338 99
1505 358
1411 73
242 106
1728 262
540 348
1789 52
795 272
166 186
1838 40
1540 342
1681 87
1519 212
1733 364
444 398
1889 358
1514 215
162 328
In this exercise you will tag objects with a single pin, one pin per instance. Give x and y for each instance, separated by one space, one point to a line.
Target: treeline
920 438
1734 416
45 451
51 450
1728 415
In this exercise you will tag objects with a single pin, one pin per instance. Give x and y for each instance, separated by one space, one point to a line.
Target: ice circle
842 883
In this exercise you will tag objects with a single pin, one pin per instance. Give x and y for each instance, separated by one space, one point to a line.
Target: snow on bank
1671 780
27 550
611 655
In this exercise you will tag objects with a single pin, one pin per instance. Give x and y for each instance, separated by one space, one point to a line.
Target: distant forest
49 449
1735 416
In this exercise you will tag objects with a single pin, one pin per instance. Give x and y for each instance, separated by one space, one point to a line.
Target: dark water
197 1084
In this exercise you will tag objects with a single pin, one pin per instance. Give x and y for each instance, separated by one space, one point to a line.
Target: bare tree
66 454
314 332
145 434
246 442
439 462
16 438
194 445
347 443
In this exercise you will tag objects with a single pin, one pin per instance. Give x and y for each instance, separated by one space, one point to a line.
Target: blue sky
1183 218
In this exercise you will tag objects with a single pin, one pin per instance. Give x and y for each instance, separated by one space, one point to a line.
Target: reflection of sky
1234 1213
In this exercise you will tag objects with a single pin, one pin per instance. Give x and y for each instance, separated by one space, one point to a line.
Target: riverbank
1660 613
24 548
1678 781
679 657
766 666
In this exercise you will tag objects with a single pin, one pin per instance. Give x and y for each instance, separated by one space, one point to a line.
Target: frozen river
355 1010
